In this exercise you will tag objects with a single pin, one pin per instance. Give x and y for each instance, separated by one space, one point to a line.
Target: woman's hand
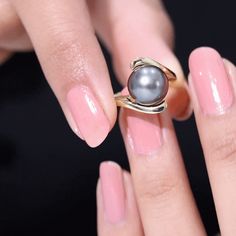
156 199
62 34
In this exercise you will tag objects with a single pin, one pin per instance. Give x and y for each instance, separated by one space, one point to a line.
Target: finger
136 28
4 56
212 84
73 63
13 36
162 190
116 205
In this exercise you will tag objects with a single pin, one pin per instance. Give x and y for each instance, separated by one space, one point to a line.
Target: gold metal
146 61
130 103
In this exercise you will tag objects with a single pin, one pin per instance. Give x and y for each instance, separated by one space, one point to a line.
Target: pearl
148 85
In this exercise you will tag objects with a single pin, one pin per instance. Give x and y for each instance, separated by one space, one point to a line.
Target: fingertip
198 52
95 141
113 192
88 114
211 81
107 166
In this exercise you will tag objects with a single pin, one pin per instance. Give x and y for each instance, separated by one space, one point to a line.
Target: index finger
72 61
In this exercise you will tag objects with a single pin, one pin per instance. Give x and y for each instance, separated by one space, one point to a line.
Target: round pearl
148 85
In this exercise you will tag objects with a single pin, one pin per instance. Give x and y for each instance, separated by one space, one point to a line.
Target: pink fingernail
144 132
113 192
88 115
210 80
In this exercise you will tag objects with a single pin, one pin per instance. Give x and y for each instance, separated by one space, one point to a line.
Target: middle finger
135 28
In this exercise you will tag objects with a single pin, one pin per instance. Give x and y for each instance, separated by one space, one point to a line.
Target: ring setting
148 86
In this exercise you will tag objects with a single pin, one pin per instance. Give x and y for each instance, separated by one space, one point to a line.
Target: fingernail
143 132
210 81
113 193
73 125
88 115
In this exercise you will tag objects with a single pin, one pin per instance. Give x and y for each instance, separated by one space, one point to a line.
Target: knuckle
157 186
224 149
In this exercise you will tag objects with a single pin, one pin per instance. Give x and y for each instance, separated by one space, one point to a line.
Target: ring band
148 85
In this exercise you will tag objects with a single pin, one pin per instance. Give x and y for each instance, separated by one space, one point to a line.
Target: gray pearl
148 85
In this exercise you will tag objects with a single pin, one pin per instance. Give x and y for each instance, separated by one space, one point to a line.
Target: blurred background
48 176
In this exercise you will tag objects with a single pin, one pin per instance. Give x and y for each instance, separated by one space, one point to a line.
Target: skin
164 203
62 35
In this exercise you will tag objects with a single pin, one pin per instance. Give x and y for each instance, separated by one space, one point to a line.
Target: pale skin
157 199
62 34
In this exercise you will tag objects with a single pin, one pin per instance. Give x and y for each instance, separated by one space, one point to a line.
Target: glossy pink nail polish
210 81
143 132
88 115
113 192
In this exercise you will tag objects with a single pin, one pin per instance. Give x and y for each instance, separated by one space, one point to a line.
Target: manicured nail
210 81
88 115
73 125
113 192
143 132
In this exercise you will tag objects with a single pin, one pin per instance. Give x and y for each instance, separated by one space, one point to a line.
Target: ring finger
164 198
132 29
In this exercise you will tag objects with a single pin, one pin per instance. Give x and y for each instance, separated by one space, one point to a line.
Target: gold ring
148 85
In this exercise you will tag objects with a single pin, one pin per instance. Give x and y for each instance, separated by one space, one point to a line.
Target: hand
156 199
62 34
